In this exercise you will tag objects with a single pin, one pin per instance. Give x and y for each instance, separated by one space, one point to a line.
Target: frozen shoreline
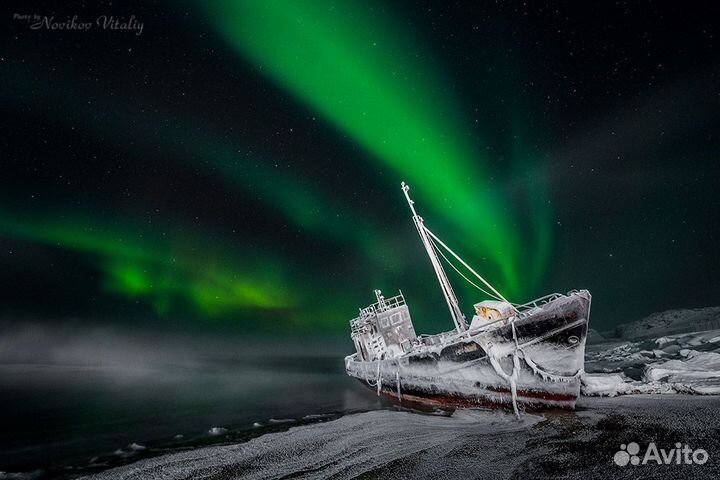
681 363
393 444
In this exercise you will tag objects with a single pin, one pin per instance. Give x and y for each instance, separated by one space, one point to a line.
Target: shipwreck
529 355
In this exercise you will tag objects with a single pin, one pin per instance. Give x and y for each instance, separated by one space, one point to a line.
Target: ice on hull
530 354
543 348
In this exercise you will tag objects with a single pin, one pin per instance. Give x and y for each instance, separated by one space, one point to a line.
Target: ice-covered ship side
539 354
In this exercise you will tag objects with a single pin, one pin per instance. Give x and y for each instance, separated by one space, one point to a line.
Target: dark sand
398 444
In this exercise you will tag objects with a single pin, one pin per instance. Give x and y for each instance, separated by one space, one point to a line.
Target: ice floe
681 363
129 450
281 420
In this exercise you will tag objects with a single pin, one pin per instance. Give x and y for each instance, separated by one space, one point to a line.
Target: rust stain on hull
503 399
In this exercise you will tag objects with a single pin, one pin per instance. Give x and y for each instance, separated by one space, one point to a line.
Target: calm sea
78 403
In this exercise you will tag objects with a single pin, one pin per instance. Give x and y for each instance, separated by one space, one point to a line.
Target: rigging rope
464 264
437 250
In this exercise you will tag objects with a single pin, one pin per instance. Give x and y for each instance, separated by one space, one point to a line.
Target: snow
348 447
469 444
700 371
681 363
604 385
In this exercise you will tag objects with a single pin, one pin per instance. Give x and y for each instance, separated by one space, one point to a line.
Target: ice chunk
678 370
695 366
600 384
281 420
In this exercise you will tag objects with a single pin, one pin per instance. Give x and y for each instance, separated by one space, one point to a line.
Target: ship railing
358 325
538 302
387 304
436 339
523 311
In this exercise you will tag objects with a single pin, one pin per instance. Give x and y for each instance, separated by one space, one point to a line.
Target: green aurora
385 99
169 273
166 271
368 78
300 202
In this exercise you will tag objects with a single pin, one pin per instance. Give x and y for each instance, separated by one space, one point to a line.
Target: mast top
406 188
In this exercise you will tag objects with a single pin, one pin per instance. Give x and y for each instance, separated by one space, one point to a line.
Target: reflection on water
66 400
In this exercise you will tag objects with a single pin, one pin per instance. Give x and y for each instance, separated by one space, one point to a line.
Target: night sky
236 166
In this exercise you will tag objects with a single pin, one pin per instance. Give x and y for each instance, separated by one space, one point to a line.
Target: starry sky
236 166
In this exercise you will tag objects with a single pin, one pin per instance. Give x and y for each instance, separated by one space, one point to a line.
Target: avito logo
681 454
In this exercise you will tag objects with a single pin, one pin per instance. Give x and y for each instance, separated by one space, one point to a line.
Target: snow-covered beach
487 444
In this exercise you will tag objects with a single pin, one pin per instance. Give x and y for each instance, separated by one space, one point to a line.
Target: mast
450 298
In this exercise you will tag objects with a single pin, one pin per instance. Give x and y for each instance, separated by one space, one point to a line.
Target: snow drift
682 363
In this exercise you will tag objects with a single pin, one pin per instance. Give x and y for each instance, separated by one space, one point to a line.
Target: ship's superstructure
383 329
531 354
